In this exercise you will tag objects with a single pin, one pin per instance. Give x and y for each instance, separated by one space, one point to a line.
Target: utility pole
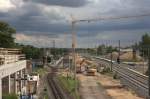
118 59
44 57
111 61
54 50
54 47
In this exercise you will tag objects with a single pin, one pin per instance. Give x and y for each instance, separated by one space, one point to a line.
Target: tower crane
109 18
74 21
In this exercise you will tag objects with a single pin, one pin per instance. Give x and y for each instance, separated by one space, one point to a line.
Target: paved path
90 89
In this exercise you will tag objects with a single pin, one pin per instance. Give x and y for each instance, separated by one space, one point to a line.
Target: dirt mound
129 56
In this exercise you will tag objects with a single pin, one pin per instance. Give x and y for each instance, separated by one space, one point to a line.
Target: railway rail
57 93
130 78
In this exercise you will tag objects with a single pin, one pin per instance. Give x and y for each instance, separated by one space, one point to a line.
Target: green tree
145 40
6 35
32 52
110 49
144 45
101 50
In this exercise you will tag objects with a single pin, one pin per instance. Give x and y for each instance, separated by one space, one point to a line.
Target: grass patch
69 85
40 71
46 95
10 96
107 72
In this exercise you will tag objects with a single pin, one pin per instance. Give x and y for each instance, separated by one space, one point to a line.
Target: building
12 72
33 83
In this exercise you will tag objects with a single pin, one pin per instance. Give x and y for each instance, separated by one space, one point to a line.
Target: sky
39 22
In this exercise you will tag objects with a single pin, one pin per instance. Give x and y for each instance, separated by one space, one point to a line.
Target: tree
110 49
32 52
101 50
144 45
145 40
6 35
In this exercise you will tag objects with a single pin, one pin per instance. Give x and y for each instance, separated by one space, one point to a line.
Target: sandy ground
103 87
89 88
115 89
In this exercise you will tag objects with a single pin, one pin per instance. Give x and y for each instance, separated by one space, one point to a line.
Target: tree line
8 41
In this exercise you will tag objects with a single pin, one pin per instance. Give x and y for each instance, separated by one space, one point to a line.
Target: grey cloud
31 20
111 38
67 3
92 29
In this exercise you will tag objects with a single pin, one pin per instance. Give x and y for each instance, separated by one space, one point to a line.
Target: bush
68 84
106 70
115 76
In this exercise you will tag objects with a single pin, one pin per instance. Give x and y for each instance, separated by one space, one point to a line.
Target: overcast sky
38 22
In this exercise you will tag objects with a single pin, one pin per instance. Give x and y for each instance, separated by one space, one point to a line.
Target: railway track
57 93
130 78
